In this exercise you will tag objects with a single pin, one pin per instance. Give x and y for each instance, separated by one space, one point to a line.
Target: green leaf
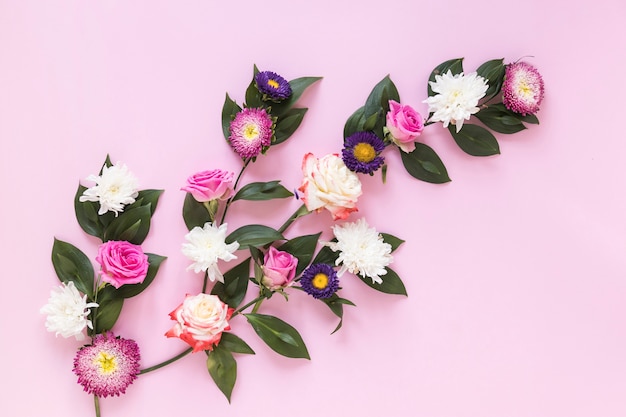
298 86
530 118
229 110
326 256
132 225
392 284
354 123
254 235
335 303
195 213
253 96
373 121
235 344
107 163
287 124
378 100
424 164
281 337
87 214
392 240
233 290
223 369
148 198
454 65
493 71
475 140
303 248
131 290
71 264
107 314
260 191
500 119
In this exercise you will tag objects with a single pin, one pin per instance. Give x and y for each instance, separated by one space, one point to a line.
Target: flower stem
96 403
302 211
245 165
165 363
256 301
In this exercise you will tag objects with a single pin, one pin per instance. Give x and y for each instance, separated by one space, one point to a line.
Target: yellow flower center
320 281
251 131
273 84
107 363
523 89
364 152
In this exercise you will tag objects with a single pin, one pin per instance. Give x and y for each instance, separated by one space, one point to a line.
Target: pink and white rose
122 263
210 185
329 184
404 125
200 321
279 269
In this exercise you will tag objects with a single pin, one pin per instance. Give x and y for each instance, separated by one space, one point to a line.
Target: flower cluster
245 267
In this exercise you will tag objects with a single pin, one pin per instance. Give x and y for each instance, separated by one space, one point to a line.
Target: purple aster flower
522 90
272 86
320 281
361 152
108 365
251 132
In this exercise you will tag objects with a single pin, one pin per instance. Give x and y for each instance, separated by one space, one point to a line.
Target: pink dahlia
251 132
522 91
107 366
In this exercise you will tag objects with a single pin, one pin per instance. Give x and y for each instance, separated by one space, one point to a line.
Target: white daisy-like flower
206 246
115 188
457 97
362 250
67 311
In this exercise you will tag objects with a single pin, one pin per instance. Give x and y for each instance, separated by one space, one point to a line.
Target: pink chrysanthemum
522 91
107 366
251 132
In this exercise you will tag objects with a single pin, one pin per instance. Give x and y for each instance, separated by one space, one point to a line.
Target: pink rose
404 125
122 263
210 185
279 269
329 184
200 321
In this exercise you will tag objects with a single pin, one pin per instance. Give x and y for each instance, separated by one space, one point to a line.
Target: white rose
329 184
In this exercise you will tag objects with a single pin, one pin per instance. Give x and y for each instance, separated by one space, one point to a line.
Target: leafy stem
243 168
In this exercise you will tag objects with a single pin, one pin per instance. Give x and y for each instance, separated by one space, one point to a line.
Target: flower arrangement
267 261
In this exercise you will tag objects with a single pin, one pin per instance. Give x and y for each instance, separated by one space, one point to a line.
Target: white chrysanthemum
114 189
457 97
363 250
206 245
67 311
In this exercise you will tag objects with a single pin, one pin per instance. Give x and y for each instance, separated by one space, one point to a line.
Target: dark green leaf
354 123
372 121
131 290
146 198
499 119
87 214
392 240
132 225
303 248
229 110
287 124
424 164
71 264
107 163
253 96
378 100
454 65
233 290
530 118
107 314
298 86
235 344
195 213
326 256
254 235
259 191
223 369
493 71
281 337
475 140
335 303
392 284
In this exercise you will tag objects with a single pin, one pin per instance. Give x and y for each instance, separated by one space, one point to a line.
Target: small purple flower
320 281
361 152
251 132
522 90
272 86
107 366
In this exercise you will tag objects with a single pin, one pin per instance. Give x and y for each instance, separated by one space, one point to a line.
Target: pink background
515 270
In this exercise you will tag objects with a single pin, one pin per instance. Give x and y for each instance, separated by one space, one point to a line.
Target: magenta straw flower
251 132
107 366
522 91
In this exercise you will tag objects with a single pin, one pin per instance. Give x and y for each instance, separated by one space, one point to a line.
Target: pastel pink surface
515 270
